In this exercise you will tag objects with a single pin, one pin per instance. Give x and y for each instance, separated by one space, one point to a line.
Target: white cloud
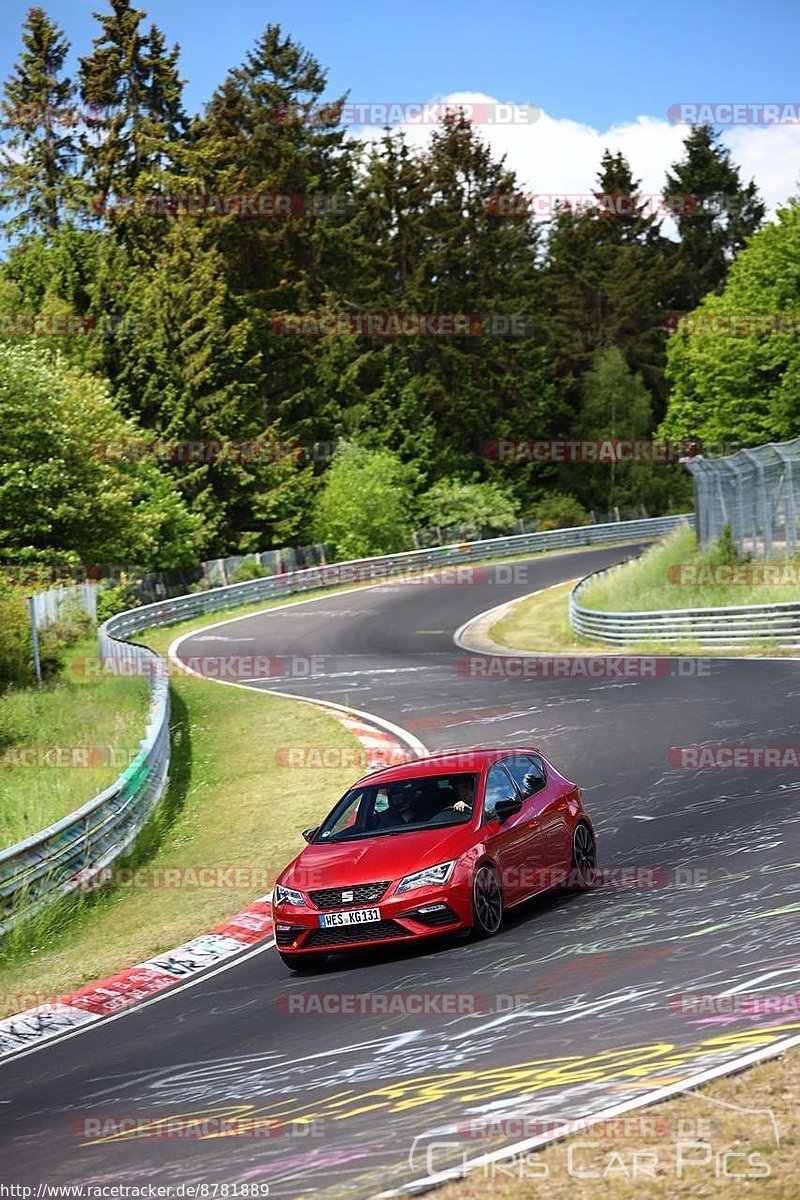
558 155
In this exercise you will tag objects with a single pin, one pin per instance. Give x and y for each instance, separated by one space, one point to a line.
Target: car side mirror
504 809
310 834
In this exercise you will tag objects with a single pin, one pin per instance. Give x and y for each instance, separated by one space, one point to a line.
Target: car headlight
427 878
285 895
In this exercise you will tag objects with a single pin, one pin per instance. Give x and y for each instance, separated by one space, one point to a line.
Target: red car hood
372 859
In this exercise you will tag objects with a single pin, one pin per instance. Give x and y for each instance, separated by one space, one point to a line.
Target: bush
365 504
113 600
724 551
251 568
482 506
66 486
559 510
73 624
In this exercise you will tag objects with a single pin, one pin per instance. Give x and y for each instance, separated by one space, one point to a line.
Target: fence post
791 503
37 662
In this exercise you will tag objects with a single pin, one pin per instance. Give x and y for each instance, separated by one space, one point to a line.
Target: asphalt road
569 1007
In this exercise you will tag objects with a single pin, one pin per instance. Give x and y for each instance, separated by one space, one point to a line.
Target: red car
431 847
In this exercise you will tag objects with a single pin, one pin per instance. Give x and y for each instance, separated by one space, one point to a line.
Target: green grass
645 583
540 623
103 717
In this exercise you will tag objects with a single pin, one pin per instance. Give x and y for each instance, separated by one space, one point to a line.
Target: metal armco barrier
778 623
66 856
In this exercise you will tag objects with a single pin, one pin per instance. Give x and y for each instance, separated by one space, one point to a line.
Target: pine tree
265 134
193 373
715 214
607 282
131 83
427 240
37 165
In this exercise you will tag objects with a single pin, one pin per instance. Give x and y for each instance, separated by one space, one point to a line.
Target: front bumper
421 913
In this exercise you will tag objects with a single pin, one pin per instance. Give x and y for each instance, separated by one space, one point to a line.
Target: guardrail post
37 662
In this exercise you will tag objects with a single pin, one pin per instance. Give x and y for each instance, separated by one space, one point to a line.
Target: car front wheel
487 902
583 865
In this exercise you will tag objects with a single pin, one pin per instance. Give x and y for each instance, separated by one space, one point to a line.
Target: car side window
528 773
498 787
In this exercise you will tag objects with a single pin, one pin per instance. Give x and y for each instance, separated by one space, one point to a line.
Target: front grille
376 931
441 916
362 893
285 937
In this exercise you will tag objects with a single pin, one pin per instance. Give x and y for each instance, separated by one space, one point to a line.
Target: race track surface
570 1004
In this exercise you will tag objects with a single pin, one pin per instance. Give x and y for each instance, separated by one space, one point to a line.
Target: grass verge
229 805
736 1153
539 624
654 580
62 744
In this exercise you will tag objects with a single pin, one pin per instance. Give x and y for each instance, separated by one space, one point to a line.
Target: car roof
447 762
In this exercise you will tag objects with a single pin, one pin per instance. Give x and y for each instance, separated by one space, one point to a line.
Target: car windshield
409 805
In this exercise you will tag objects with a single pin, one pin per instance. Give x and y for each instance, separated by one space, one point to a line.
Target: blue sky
599 64
604 75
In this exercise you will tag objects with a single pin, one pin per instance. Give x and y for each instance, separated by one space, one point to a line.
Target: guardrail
67 855
71 852
730 626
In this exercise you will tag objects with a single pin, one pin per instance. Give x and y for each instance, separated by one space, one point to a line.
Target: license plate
352 916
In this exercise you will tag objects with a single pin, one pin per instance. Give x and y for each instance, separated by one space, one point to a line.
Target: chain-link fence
756 492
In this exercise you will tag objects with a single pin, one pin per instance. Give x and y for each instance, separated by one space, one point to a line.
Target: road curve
373 1101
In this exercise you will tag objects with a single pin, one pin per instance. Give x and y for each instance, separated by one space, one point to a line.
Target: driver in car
401 808
464 788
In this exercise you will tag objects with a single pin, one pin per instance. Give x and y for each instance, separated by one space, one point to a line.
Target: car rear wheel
583 865
487 902
302 962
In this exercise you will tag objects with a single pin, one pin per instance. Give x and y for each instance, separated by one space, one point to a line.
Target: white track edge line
664 1093
89 1026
